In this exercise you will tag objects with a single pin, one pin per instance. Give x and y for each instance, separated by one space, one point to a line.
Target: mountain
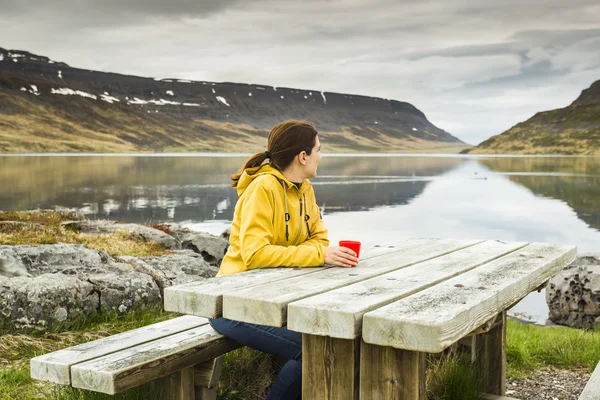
571 130
48 106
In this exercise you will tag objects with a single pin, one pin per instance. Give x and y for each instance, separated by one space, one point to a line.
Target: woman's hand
340 257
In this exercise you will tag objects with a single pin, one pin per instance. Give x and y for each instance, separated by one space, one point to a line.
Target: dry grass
43 227
46 217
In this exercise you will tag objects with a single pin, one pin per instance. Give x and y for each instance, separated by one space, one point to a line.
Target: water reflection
574 180
147 189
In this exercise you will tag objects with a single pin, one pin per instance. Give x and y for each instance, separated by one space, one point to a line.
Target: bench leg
489 354
387 373
206 377
177 385
329 368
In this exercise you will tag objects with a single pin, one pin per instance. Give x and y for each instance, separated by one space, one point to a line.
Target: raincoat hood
250 174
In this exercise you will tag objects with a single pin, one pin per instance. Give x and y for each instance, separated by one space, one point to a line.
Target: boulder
211 248
45 302
120 292
63 283
49 286
173 269
573 295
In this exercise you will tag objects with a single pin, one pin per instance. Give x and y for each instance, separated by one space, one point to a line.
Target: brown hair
286 141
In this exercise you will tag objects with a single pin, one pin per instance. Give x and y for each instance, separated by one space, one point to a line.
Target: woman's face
312 161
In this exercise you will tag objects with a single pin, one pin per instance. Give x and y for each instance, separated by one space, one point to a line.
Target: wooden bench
592 389
182 356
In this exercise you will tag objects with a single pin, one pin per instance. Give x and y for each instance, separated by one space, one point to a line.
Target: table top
419 294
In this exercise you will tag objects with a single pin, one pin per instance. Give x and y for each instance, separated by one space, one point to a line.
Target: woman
277 223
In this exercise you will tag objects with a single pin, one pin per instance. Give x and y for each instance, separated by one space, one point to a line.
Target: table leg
329 368
387 373
489 354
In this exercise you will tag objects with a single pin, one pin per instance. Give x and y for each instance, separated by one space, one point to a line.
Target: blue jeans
278 341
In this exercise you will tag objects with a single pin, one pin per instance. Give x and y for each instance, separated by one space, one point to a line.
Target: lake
372 198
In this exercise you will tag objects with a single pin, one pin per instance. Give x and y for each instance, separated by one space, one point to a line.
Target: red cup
352 245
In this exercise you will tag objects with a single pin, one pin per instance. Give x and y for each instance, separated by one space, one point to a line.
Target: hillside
48 106
571 130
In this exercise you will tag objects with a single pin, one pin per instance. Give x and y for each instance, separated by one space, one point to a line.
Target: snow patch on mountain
71 92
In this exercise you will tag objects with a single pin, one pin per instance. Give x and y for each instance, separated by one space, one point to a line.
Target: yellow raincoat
260 236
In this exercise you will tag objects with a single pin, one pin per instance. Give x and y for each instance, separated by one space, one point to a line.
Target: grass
247 374
451 378
44 227
531 347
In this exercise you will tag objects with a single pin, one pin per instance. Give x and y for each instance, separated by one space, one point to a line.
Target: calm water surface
375 199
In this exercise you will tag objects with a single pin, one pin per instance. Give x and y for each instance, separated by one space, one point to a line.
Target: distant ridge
571 130
48 106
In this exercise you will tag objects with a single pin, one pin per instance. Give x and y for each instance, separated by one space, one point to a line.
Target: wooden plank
489 354
338 313
267 304
435 318
205 298
55 367
388 373
329 368
592 389
140 364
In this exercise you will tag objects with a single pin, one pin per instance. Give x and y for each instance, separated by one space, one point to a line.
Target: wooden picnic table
366 330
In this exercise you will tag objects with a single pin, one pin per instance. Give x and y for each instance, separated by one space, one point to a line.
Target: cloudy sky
475 67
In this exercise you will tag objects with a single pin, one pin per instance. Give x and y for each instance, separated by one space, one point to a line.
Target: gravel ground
550 384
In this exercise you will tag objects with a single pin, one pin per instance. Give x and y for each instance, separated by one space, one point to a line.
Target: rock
51 258
10 264
48 286
211 248
573 295
181 267
226 233
113 286
121 292
45 302
143 232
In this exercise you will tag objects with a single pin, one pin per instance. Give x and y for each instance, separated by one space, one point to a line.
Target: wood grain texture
207 374
144 363
435 318
489 354
329 368
205 298
55 366
178 385
488 396
592 389
267 304
338 313
391 374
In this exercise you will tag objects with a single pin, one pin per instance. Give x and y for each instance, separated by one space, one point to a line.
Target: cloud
474 68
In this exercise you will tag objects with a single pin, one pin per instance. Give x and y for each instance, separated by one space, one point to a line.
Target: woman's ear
302 157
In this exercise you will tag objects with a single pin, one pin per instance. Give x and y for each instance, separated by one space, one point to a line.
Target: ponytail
254 161
286 140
